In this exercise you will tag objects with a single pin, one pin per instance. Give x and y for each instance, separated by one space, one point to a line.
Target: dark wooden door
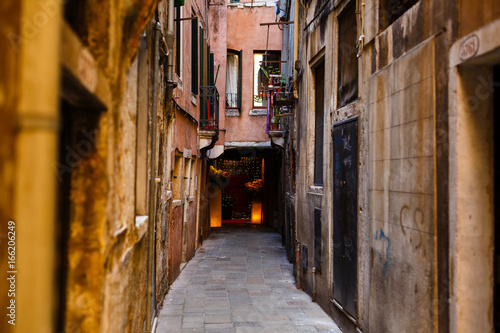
238 192
345 207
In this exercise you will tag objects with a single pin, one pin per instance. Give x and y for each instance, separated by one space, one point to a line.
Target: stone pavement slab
240 281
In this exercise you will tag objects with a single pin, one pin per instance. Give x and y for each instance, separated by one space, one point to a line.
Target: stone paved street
240 281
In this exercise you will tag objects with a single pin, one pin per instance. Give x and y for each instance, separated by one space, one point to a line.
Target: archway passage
242 195
250 190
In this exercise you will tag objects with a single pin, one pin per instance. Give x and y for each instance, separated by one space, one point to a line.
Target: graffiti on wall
384 254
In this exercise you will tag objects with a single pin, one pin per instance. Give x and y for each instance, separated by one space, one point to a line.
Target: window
178 40
319 101
261 68
233 80
194 55
348 61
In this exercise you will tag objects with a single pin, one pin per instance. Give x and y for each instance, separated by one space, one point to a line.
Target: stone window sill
141 226
258 112
316 190
232 113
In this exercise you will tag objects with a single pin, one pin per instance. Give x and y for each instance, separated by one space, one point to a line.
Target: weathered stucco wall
402 261
402 193
316 46
473 194
407 106
475 14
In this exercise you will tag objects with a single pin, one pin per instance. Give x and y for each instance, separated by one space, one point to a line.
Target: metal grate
209 110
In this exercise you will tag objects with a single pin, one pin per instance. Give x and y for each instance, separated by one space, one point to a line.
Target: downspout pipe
314 272
296 47
297 264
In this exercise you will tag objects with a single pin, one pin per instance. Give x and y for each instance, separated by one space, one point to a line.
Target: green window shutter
203 106
202 55
194 56
212 69
209 65
240 81
178 41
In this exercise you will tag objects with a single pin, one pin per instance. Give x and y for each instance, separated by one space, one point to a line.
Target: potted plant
275 121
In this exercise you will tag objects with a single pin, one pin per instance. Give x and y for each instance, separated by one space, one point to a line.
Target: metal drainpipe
154 56
297 263
296 46
314 284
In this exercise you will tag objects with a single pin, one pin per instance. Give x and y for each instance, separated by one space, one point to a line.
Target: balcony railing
209 109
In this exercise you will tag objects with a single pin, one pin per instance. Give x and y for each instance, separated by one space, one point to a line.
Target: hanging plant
255 186
219 174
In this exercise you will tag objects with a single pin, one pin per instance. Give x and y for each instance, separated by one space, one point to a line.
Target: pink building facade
239 42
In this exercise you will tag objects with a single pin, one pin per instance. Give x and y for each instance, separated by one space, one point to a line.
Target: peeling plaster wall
105 243
105 283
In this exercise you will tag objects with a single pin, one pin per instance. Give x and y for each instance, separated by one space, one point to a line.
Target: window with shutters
347 58
261 64
194 55
233 80
201 55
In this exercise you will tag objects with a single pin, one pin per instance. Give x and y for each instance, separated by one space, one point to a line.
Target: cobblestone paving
240 281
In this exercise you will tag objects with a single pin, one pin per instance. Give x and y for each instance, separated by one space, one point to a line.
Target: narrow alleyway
240 281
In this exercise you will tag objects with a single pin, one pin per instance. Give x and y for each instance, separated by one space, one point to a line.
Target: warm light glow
256 212
216 210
